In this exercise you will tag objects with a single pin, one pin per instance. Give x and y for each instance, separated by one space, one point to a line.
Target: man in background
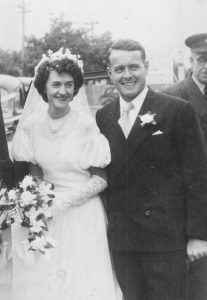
194 89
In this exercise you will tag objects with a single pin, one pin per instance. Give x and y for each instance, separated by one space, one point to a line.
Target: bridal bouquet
30 205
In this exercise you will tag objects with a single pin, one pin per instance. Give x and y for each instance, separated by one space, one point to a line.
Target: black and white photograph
103 150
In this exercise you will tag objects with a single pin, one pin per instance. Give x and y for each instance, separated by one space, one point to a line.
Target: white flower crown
59 55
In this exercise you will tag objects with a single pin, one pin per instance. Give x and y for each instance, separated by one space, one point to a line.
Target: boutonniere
147 118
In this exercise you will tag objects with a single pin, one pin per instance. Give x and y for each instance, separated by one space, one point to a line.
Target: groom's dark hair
127 45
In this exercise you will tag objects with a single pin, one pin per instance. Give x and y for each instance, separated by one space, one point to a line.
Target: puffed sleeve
96 151
22 146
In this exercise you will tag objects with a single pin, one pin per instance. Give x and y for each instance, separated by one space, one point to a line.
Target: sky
160 25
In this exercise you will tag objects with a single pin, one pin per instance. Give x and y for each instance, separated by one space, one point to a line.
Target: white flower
27 198
147 118
32 214
2 191
26 245
48 212
3 199
37 226
39 243
12 195
58 56
45 189
27 182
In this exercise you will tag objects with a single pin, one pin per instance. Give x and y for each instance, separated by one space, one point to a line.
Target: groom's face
128 72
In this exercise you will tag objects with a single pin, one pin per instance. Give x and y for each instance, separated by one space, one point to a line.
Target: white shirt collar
137 102
200 85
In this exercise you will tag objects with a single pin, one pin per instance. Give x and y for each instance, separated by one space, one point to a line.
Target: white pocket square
157 132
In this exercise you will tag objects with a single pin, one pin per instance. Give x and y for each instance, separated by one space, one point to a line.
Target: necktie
124 121
205 92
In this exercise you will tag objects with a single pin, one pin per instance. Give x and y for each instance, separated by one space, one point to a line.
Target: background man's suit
157 195
188 90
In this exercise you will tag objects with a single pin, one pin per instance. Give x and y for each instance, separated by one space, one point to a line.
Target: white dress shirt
137 104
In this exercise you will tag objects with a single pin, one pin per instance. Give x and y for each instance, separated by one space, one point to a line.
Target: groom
157 194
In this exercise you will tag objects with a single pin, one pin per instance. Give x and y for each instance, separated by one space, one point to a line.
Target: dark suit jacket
157 194
188 90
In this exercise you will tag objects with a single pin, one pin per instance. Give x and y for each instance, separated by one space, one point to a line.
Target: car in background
110 95
12 97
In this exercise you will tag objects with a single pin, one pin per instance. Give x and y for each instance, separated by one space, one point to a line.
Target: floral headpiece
62 53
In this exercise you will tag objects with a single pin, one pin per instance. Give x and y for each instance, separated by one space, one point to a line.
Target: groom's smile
128 72
129 84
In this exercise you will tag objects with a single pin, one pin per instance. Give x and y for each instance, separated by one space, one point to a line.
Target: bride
64 147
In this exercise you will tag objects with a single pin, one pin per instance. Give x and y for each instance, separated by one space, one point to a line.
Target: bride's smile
59 90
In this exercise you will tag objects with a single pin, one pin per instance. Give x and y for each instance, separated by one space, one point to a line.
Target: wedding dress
79 266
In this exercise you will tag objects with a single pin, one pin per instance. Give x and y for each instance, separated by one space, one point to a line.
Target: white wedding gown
79 267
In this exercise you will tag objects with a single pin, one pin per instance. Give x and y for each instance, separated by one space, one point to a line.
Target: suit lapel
196 98
115 135
138 133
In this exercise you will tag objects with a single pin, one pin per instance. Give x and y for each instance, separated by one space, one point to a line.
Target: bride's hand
72 199
82 194
65 203
60 203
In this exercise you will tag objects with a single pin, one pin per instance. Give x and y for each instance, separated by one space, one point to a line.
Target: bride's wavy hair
64 65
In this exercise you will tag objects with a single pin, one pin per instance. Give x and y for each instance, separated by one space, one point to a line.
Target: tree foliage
10 63
61 34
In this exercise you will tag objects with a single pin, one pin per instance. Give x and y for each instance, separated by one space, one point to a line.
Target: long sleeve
92 188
